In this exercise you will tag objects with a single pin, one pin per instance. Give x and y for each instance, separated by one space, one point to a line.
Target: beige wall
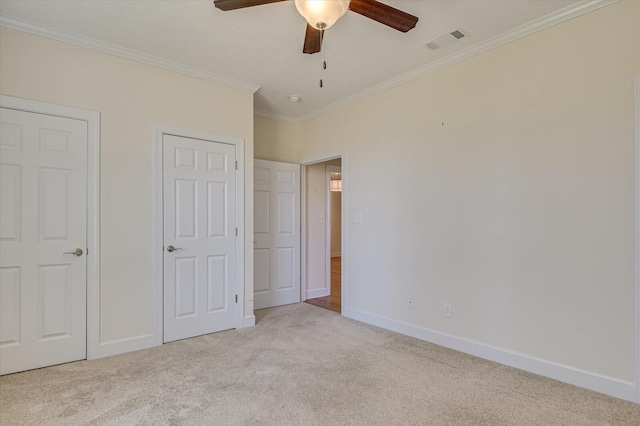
278 141
336 223
504 185
130 98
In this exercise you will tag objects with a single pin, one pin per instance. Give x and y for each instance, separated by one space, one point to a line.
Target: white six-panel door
43 190
199 187
276 233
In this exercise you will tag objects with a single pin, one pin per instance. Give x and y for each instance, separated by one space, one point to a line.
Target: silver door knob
171 249
77 252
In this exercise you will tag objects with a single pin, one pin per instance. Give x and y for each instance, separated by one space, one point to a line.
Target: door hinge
236 232
236 164
236 298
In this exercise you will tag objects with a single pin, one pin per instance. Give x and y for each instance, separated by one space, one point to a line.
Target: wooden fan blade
239 4
312 40
384 14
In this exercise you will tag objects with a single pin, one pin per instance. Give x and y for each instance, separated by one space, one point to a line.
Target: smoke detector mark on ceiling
446 40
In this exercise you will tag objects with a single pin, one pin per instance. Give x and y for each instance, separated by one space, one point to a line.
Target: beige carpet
301 365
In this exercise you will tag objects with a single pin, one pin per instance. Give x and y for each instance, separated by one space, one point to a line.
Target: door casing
158 220
637 367
92 118
329 168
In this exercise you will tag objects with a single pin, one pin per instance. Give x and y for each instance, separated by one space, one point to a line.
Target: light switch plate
447 311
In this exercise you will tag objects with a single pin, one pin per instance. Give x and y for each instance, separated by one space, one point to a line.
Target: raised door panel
186 280
55 193
186 208
286 268
217 283
261 262
10 202
261 178
217 207
286 178
261 216
217 161
10 306
54 301
286 213
55 142
186 159
10 136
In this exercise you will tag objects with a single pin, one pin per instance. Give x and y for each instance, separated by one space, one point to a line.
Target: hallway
333 301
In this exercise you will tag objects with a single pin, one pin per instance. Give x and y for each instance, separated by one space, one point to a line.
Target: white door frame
321 158
328 169
158 220
637 114
92 118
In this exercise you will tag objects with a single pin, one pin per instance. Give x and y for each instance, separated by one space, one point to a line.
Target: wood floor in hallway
333 301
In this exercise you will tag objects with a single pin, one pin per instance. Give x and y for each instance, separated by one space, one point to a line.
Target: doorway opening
323 242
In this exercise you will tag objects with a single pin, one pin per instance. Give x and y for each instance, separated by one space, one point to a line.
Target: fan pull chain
324 63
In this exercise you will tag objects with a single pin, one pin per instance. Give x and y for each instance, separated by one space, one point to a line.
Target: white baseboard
317 292
596 382
249 321
117 347
131 344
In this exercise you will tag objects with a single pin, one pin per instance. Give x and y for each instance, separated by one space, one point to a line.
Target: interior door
276 233
199 186
43 221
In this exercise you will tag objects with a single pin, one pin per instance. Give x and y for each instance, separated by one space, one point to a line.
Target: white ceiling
262 45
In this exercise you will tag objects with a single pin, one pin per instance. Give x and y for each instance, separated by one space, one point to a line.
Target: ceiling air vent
446 39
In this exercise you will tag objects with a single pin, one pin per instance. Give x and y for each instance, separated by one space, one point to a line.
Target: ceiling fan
322 14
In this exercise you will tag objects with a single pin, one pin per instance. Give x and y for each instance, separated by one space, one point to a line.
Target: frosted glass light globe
322 14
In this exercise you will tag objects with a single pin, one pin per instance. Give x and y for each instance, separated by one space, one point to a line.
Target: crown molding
275 117
534 26
125 53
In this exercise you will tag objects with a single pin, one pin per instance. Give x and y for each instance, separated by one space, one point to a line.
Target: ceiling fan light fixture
322 14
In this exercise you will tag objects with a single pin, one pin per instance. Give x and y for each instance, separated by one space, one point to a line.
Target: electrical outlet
447 311
411 302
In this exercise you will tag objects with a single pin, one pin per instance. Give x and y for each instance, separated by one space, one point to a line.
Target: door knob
171 249
77 252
